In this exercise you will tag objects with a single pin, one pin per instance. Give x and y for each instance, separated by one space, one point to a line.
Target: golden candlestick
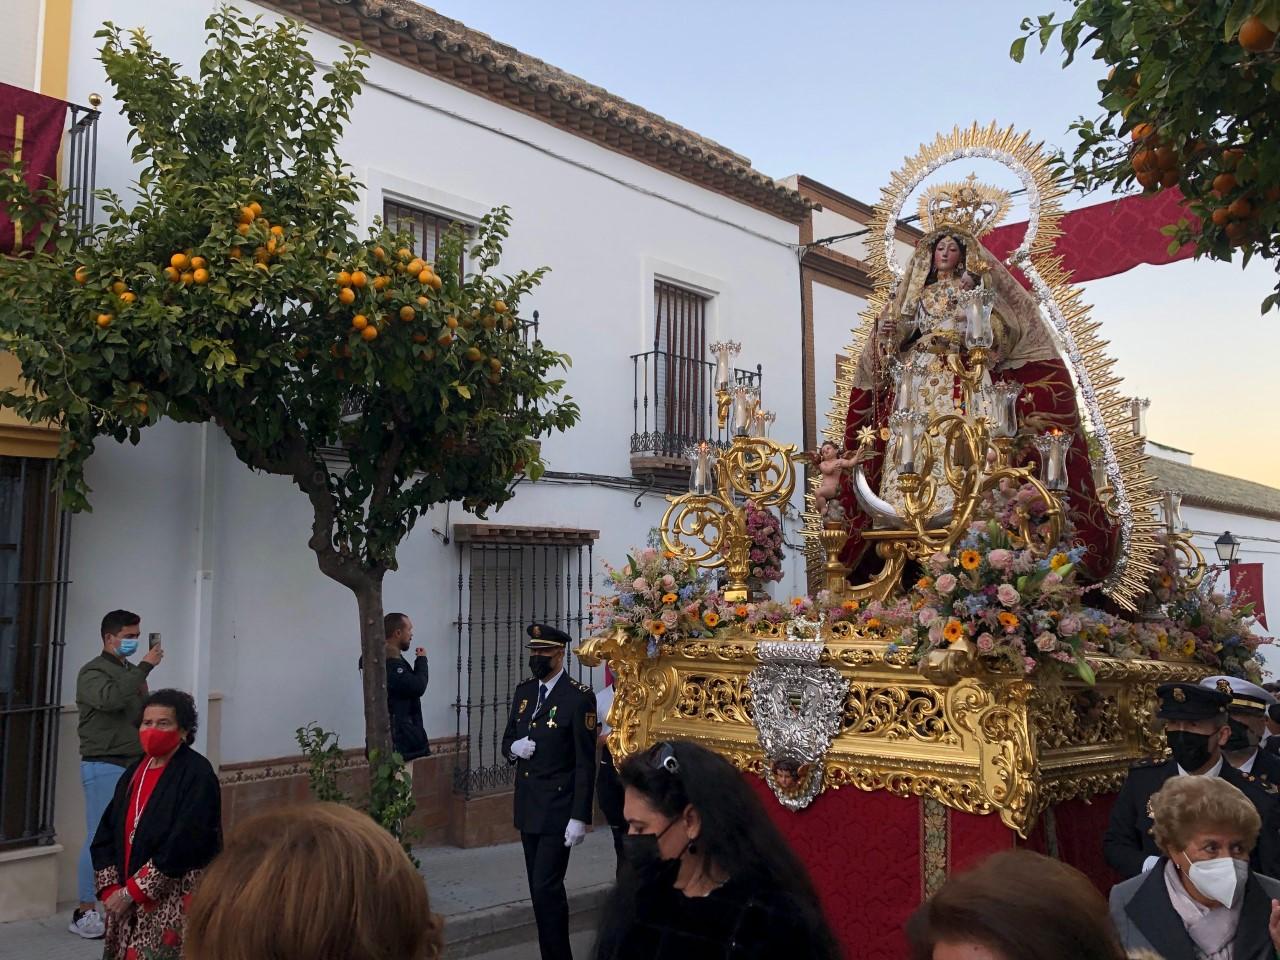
754 469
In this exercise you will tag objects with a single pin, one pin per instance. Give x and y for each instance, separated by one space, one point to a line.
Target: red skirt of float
873 857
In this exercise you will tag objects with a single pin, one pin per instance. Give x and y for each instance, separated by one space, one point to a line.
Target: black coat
181 825
1128 841
1145 919
555 785
1266 767
610 791
405 687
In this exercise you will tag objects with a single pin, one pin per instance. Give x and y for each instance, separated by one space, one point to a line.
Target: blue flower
892 648
687 591
626 601
974 603
652 648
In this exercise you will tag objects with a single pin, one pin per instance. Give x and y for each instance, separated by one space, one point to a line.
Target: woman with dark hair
707 874
1016 905
159 832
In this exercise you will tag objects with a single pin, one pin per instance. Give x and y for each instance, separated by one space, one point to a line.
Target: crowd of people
702 870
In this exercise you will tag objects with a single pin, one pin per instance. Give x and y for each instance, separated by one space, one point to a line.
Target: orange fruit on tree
271 245
1166 158
187 276
1142 131
118 287
104 320
344 278
379 253
1148 179
1169 178
404 253
1143 161
1240 208
128 297
1231 158
1225 182
82 274
495 364
198 262
142 408
359 321
201 276
416 265
425 275
247 214
445 339
419 338
179 261
474 354
1237 231
436 282
452 323
380 282
236 253
243 229
1221 217
346 296
369 333
257 208
407 313
171 274
278 230
359 278
489 321
1256 36
499 306
423 301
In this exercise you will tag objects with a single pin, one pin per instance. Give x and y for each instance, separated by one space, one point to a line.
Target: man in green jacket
109 695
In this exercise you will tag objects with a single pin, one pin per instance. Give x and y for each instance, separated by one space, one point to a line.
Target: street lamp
1228 547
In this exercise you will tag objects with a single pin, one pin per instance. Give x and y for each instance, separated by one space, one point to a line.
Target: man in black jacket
1196 728
551 738
405 687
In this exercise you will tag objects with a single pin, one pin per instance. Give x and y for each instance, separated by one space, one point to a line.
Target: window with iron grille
428 229
506 581
32 612
680 337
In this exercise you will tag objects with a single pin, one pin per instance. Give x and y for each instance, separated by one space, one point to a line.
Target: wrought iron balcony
673 408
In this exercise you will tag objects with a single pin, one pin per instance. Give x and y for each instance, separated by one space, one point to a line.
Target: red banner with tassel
1246 581
31 128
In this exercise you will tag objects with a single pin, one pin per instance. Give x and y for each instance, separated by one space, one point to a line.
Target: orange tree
1191 99
236 291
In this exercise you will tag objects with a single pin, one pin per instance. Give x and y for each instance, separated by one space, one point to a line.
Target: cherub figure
833 464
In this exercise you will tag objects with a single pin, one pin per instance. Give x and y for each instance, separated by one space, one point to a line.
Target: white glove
574 833
523 748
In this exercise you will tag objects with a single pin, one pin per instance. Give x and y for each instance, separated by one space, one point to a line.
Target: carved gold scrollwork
895 712
714 699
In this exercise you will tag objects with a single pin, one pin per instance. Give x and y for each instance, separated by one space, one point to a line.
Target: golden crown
969 207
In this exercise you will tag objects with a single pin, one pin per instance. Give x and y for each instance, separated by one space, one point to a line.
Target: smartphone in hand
153 641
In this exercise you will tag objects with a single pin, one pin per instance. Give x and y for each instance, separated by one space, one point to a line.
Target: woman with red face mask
162 828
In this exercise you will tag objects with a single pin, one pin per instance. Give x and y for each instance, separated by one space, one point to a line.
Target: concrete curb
491 928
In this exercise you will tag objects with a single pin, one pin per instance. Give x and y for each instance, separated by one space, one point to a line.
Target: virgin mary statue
903 364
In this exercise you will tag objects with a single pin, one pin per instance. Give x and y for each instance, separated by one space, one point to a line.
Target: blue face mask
128 647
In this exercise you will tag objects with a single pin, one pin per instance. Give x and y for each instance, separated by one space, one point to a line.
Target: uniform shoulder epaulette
1149 762
1258 782
580 685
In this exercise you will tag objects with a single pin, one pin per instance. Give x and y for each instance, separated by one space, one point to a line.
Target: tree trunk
373 648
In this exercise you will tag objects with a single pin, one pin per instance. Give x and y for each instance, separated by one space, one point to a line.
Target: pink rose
945 583
670 618
640 585
1000 558
935 632
1028 664
939 562
1051 579
986 643
1007 594
1069 625
1046 641
669 581
927 615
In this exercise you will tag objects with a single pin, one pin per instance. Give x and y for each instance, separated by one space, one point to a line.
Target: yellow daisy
970 559
1007 619
669 598
952 631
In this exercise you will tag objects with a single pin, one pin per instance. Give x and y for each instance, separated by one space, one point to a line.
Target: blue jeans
99 781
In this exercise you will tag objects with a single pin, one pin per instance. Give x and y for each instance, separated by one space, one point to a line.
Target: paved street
481 893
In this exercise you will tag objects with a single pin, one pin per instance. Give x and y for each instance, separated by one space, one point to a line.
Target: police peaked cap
544 637
1190 701
1246 697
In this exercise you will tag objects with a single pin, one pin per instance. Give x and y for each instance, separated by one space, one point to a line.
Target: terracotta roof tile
436 44
1215 491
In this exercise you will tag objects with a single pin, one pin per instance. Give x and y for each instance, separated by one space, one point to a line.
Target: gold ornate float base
987 743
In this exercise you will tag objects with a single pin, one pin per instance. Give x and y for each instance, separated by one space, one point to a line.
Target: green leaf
1084 670
1018 49
463 390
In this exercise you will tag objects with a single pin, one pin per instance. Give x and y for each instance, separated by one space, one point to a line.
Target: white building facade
659 242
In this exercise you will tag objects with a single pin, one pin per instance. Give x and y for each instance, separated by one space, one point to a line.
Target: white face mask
1221 879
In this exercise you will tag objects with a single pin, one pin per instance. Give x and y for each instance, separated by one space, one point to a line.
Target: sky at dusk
843 91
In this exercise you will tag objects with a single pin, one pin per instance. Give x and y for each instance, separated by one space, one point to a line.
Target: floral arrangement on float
765 531
1017 611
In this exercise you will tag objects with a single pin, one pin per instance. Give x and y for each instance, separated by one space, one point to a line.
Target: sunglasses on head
663 756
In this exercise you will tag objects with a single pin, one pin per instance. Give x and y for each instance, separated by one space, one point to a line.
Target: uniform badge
523 703
1179 695
1224 686
551 718
591 720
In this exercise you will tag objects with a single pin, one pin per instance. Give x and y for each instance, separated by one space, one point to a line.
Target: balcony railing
81 178
674 403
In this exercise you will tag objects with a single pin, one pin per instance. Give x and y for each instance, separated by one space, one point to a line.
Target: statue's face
828 451
946 255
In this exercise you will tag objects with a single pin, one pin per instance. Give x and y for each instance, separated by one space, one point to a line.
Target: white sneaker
87 924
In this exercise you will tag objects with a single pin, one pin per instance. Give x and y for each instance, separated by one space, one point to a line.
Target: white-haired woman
1201 901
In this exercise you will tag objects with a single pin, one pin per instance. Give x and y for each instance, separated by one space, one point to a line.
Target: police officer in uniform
1196 728
551 738
1271 743
1247 717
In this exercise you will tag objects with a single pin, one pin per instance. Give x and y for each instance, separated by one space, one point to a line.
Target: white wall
281 638
836 314
1260 543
